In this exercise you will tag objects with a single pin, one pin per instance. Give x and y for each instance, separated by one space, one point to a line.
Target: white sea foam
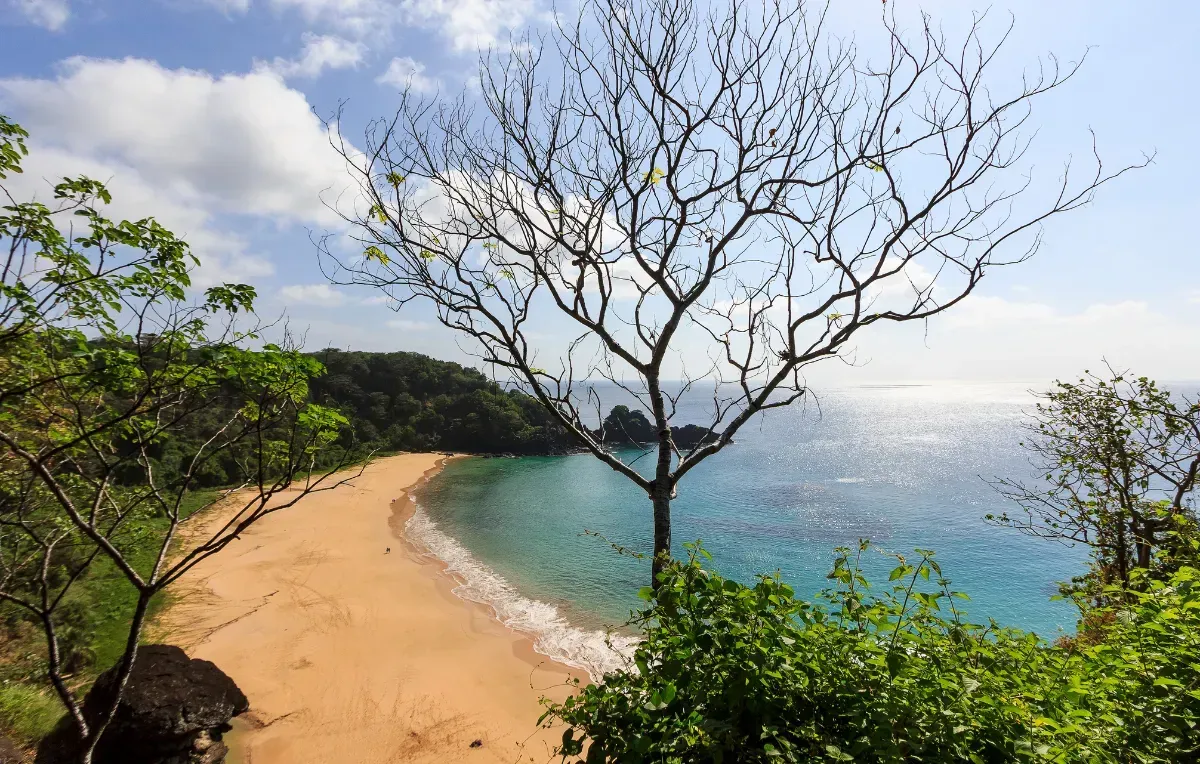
850 480
553 636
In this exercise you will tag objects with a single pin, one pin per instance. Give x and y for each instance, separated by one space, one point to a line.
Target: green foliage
27 713
733 673
98 607
1120 458
12 146
410 402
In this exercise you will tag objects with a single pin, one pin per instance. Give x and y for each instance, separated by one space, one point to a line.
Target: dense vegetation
410 402
733 673
126 398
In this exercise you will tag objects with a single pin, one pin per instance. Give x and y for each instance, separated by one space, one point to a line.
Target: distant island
630 427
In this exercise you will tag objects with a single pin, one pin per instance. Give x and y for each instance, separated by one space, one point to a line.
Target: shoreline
351 653
548 634
403 509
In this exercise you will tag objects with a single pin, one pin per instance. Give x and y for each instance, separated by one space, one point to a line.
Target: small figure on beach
388 550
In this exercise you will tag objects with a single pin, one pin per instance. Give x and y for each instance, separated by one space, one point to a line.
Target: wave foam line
553 636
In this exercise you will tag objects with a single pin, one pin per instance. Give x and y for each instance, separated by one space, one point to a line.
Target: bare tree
120 400
661 178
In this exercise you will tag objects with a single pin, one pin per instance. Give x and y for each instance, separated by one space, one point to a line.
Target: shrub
734 673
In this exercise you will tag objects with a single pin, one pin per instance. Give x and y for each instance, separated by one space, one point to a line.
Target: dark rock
691 435
476 743
173 711
624 426
630 427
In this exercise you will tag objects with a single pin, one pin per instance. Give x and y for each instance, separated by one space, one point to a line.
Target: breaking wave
594 651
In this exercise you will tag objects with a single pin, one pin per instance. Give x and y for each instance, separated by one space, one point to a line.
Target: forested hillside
411 402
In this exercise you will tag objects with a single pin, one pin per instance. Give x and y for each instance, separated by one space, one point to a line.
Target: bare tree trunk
657 167
126 668
663 484
54 661
662 530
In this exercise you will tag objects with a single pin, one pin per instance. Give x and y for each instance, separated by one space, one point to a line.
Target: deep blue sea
905 467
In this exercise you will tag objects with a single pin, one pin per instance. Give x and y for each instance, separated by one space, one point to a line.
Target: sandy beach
351 654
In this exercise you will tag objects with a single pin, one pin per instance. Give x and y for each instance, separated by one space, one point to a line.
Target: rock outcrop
630 427
173 711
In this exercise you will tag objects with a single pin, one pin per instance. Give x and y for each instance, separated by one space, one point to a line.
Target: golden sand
350 654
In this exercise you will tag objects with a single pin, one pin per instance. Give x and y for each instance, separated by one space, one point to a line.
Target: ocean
904 466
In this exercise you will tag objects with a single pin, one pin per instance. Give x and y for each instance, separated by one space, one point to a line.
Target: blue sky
200 112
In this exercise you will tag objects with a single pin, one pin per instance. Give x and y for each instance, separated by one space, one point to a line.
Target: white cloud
987 337
1193 297
992 312
229 6
900 290
224 257
406 73
238 143
407 325
183 146
320 52
313 294
997 312
51 14
471 23
359 18
467 24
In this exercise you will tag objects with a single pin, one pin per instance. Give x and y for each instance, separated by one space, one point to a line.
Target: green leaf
376 254
655 176
895 663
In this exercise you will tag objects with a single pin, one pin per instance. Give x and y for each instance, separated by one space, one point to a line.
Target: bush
734 673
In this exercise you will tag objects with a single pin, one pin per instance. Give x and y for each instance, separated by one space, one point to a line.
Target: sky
206 115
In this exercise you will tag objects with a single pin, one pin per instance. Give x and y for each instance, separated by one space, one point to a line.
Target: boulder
173 711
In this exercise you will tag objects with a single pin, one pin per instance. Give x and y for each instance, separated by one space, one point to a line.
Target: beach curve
351 653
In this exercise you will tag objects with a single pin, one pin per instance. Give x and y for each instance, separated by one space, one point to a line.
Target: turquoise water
902 466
